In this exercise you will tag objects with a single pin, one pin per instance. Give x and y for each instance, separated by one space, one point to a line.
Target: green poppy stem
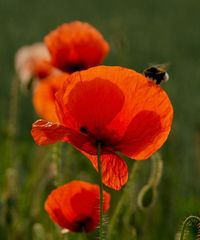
101 191
56 157
84 236
13 118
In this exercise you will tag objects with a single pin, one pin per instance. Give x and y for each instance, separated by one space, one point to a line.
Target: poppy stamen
82 224
84 130
100 142
74 67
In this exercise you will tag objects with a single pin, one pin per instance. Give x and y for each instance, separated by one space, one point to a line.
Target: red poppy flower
76 46
75 206
44 96
114 106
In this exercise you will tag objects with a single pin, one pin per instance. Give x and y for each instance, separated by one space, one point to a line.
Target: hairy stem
100 191
56 157
84 236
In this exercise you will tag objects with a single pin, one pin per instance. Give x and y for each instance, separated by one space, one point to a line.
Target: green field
140 33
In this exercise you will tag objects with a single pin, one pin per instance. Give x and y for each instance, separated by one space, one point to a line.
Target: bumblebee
157 73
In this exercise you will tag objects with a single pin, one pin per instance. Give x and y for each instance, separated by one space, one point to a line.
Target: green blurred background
140 33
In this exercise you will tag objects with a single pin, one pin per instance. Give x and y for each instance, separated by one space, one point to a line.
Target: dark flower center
82 225
100 138
83 129
70 68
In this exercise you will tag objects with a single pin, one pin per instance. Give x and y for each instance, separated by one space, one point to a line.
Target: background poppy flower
64 208
76 46
44 96
32 61
114 106
43 69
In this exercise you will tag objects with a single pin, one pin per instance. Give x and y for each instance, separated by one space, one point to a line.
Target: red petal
54 208
76 46
58 206
114 169
92 104
145 134
44 96
138 140
45 132
63 205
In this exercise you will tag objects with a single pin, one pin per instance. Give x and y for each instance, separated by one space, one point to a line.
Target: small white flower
26 58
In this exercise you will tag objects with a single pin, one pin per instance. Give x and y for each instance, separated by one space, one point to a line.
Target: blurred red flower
114 106
76 46
44 96
64 208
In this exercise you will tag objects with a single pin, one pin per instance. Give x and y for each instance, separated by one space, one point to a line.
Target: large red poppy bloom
44 96
114 106
76 46
75 206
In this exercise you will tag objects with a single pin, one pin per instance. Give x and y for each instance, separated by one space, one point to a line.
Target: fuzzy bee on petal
157 73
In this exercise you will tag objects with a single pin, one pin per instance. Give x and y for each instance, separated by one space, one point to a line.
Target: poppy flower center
83 224
83 129
106 141
74 67
102 137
